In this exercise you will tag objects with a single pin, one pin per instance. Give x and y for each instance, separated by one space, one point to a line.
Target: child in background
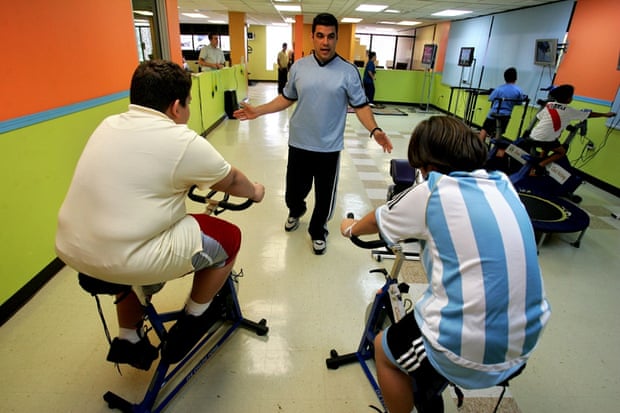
512 95
552 121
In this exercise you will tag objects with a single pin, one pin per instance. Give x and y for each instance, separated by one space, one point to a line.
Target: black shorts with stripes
404 340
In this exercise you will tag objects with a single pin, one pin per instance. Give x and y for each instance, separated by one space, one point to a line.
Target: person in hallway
503 99
124 218
323 84
485 307
369 77
284 61
553 120
211 56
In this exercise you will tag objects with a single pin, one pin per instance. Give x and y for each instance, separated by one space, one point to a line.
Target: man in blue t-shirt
323 85
503 99
369 77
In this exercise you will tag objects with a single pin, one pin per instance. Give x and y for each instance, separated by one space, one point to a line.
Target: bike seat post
139 291
399 258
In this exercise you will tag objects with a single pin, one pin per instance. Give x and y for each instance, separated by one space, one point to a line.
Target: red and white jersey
553 119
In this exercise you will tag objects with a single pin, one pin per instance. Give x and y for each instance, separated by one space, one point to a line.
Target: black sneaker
187 331
139 355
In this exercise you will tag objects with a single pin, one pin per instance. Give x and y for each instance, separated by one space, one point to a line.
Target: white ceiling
262 12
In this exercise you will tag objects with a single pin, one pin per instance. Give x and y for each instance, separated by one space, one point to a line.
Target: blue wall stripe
28 120
593 100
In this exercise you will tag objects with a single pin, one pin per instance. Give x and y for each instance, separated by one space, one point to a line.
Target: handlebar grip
198 198
235 207
375 243
223 204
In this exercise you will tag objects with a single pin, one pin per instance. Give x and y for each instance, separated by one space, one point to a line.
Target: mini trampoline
554 215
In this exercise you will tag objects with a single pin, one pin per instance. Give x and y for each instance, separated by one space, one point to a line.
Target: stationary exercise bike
558 178
161 389
549 195
388 307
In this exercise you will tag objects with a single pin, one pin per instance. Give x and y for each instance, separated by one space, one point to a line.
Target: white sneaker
319 246
291 224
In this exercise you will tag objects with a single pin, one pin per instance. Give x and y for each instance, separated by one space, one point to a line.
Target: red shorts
221 242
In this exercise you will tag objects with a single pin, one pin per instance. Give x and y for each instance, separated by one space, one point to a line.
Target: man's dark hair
446 144
510 75
371 55
156 84
210 35
562 93
324 19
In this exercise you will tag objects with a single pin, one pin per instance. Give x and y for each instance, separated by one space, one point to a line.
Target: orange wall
441 38
174 31
591 61
73 42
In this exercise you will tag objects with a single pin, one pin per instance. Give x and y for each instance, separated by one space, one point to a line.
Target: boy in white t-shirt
552 121
124 218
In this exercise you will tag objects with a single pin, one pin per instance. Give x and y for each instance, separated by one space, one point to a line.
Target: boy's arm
602 115
366 225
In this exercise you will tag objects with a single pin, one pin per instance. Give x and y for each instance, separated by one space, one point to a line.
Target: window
391 50
276 35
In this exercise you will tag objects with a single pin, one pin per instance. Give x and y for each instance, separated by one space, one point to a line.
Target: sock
194 308
129 334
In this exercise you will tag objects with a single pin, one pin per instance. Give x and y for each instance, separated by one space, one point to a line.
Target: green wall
406 87
37 165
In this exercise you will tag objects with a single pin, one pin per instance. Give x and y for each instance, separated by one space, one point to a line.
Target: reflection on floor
53 350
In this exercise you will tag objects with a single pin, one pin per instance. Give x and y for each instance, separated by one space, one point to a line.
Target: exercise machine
169 379
388 307
545 196
500 118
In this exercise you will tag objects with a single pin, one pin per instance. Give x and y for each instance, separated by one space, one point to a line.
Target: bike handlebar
219 205
375 243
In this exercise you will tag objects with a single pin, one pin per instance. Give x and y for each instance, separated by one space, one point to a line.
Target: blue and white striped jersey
485 307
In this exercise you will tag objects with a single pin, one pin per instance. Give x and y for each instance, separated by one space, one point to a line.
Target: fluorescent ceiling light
408 23
451 13
195 15
143 12
217 21
350 20
391 11
284 7
372 8
289 20
385 22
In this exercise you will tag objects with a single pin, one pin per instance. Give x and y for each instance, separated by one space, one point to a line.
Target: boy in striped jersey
485 306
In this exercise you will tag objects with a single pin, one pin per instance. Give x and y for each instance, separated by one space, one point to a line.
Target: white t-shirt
211 54
553 119
124 218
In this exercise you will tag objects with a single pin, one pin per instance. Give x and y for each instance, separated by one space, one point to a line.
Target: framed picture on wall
546 52
466 56
428 55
